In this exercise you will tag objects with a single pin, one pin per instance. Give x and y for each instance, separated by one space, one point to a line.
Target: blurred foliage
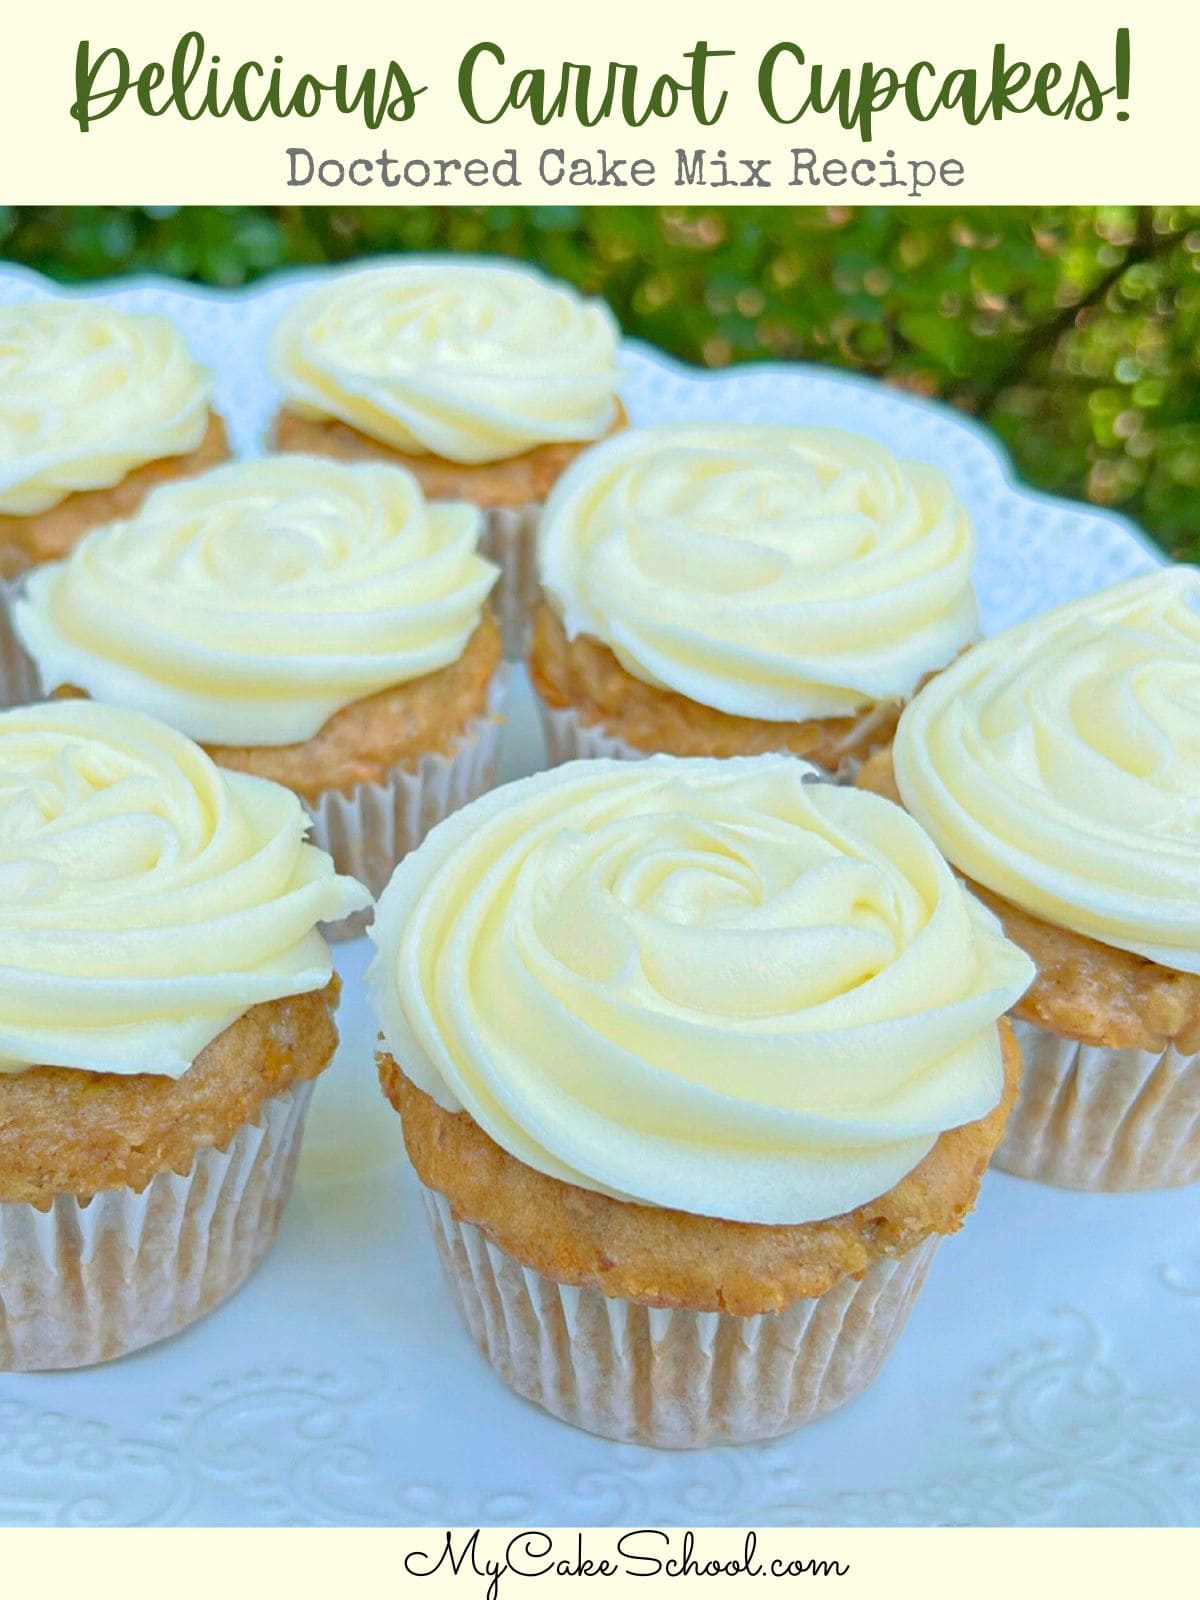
1073 331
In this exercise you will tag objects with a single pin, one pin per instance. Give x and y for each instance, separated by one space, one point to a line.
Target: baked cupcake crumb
659 1257
493 485
584 675
69 1131
1086 990
366 741
29 541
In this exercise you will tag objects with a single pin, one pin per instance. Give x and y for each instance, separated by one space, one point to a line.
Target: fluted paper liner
369 828
569 738
509 538
1093 1118
86 1282
20 683
673 1378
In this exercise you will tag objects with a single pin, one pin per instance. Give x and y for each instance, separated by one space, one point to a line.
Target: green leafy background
1073 331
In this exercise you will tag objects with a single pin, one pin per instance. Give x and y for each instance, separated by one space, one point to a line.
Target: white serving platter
1048 1374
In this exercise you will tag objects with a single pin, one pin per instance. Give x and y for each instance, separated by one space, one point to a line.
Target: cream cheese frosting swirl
248 605
87 394
1058 764
772 572
710 985
147 898
474 361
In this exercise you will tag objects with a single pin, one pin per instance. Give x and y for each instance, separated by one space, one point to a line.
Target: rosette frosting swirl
87 394
710 985
772 572
1058 764
147 898
473 361
248 605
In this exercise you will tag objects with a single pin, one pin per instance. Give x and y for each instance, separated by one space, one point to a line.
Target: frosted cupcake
306 621
96 408
1058 768
484 378
720 590
697 1062
165 1007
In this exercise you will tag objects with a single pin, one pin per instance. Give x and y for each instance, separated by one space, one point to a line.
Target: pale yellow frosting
711 985
147 898
88 394
248 605
1058 764
771 572
471 360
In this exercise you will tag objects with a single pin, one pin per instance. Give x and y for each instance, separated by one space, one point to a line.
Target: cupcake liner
88 1281
673 1378
369 828
20 682
1093 1118
568 738
509 538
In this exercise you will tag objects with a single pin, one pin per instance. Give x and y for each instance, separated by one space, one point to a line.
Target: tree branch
1147 246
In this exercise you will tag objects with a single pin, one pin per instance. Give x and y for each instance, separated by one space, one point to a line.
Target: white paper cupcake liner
20 682
370 827
568 738
1093 1118
676 1379
89 1281
509 538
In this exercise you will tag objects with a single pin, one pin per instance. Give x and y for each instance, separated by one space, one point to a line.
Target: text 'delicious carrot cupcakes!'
96 408
165 1006
729 590
1058 768
308 621
485 378
697 1061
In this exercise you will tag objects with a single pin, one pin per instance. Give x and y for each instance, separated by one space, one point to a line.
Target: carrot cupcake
720 590
166 1004
96 408
485 379
307 621
697 1062
1057 766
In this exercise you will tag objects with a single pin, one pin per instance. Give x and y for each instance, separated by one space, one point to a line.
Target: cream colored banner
732 104
516 1564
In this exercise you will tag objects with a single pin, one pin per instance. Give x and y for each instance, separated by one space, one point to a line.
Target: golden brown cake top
472 360
147 898
1084 989
509 485
1058 765
27 541
585 676
71 1131
248 606
88 394
365 742
660 1257
768 571
710 986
